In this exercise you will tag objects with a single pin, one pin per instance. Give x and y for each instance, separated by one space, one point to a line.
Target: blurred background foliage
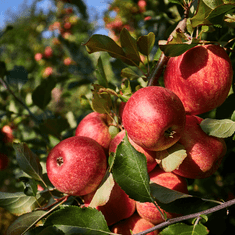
47 75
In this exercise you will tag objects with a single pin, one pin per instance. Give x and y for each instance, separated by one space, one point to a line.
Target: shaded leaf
129 46
23 222
129 73
76 220
42 94
130 172
172 157
184 229
219 128
28 161
145 43
30 186
18 76
100 74
102 194
18 203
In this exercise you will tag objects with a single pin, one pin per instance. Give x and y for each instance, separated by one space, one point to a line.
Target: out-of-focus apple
135 223
204 152
67 61
118 207
201 77
38 56
154 118
96 126
150 155
76 165
4 161
47 72
148 210
48 52
8 136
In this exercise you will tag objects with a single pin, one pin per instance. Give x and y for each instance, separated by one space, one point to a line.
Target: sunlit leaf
28 161
145 43
185 229
76 220
223 128
102 194
22 223
172 157
130 172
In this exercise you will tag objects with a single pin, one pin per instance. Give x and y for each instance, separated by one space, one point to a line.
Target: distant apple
8 136
38 56
118 207
169 180
204 152
48 52
135 223
150 155
47 72
201 77
96 126
76 165
154 118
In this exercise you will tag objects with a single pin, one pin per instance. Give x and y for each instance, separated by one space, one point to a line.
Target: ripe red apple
118 207
135 223
201 77
96 126
148 210
154 118
76 165
204 152
150 155
4 161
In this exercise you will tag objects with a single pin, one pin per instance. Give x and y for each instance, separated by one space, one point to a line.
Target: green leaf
129 46
28 161
171 158
129 73
125 91
18 76
146 43
18 203
22 223
76 220
42 94
101 100
173 49
100 74
30 186
130 172
104 43
219 128
180 2
102 194
184 229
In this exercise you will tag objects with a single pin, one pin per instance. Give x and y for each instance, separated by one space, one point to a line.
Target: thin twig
190 216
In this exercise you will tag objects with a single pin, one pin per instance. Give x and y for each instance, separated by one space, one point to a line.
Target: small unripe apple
201 77
4 161
76 165
154 118
135 223
204 152
96 126
148 210
150 155
118 207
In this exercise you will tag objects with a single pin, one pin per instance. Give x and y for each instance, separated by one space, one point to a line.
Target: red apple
135 223
96 126
204 152
48 52
67 61
76 165
118 207
154 118
148 210
201 77
8 134
150 155
4 161
47 72
38 56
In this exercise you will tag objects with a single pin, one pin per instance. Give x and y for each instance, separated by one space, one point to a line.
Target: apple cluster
155 119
